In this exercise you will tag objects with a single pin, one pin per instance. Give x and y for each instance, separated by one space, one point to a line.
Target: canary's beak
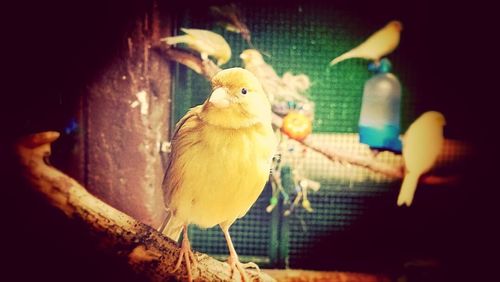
220 98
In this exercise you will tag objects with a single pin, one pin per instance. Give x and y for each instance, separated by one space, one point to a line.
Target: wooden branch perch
343 157
148 252
298 275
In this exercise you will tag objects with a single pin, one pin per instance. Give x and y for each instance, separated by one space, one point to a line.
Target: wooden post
125 121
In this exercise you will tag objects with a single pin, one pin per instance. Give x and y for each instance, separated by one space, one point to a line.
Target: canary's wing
191 114
210 42
172 225
414 152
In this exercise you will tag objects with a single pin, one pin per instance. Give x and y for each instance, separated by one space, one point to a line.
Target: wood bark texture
149 253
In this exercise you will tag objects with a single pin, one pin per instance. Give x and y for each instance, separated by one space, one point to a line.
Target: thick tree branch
148 252
343 157
297 275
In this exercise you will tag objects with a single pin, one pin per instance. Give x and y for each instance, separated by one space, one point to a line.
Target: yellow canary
205 42
271 81
276 88
422 144
379 44
220 161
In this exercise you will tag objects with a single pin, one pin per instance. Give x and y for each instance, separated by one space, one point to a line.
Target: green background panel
302 38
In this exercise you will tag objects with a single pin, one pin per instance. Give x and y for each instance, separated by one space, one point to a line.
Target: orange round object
297 126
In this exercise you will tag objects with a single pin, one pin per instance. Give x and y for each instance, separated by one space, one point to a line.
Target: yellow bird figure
276 87
379 44
271 81
220 161
205 42
422 144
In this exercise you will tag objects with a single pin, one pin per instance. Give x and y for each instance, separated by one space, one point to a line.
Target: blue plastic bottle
380 110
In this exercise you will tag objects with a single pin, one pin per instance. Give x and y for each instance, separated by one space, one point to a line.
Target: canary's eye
243 91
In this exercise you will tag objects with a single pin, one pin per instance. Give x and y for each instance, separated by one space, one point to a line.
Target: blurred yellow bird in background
379 44
276 87
220 161
422 144
205 42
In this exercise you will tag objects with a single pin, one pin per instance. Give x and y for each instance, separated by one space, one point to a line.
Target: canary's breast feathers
216 173
236 107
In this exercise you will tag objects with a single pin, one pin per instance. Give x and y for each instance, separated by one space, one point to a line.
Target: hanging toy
298 113
295 185
380 109
297 125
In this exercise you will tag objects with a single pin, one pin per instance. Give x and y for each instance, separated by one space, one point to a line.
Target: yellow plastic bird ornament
205 42
220 161
379 44
422 144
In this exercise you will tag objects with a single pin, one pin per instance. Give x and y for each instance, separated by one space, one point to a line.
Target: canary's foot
233 261
188 256
241 268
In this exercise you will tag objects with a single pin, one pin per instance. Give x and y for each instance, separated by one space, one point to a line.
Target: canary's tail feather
408 188
171 227
345 56
176 39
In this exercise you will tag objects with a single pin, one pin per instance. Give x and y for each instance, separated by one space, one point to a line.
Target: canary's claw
241 268
187 255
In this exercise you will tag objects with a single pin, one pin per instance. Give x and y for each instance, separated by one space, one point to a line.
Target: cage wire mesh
353 205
